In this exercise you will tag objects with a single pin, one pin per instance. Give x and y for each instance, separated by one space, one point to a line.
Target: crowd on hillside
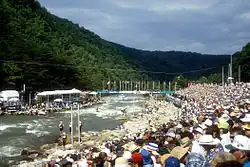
212 131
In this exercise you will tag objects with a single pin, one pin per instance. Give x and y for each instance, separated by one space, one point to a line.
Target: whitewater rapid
18 132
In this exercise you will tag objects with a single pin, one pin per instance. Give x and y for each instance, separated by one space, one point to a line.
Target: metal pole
29 98
153 85
169 86
164 86
79 133
239 73
175 86
120 85
126 85
222 75
103 85
142 85
139 85
131 85
71 120
231 66
159 84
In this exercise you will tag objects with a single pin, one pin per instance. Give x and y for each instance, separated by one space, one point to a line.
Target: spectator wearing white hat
239 147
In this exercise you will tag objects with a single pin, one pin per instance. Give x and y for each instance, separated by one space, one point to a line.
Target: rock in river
28 151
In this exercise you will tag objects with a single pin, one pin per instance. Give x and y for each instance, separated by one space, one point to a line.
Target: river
17 132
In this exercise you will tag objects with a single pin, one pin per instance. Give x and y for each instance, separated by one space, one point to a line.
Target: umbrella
58 100
93 93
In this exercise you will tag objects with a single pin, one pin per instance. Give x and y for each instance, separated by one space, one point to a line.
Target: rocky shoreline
134 123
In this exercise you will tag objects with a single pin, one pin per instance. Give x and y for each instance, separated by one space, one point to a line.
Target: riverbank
162 112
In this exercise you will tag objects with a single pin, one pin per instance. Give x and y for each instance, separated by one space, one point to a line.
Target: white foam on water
10 151
37 132
110 109
3 127
108 112
23 124
30 126
131 102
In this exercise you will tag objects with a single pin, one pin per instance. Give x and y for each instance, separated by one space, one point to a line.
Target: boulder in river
28 151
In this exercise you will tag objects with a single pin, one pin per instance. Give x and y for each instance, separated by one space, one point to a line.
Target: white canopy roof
13 99
6 94
59 92
58 100
93 93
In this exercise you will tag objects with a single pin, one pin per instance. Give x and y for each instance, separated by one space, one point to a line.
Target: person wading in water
61 127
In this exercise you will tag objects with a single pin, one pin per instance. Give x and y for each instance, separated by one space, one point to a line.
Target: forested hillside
242 59
30 34
189 64
44 51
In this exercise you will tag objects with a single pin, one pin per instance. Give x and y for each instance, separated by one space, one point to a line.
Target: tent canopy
14 99
58 100
6 94
59 92
93 93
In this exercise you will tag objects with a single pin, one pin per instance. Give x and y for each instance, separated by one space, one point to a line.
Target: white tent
13 99
58 100
59 92
8 94
93 93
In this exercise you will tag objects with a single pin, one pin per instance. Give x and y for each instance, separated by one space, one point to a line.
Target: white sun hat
179 126
207 140
246 118
198 129
240 142
170 134
208 122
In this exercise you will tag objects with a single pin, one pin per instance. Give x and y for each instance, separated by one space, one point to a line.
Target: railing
132 92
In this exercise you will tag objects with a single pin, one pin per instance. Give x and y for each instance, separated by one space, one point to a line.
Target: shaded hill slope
172 62
48 52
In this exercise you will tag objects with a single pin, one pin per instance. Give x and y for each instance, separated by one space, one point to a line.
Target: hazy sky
206 26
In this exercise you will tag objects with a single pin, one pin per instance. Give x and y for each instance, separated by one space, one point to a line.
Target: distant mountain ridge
68 55
174 62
